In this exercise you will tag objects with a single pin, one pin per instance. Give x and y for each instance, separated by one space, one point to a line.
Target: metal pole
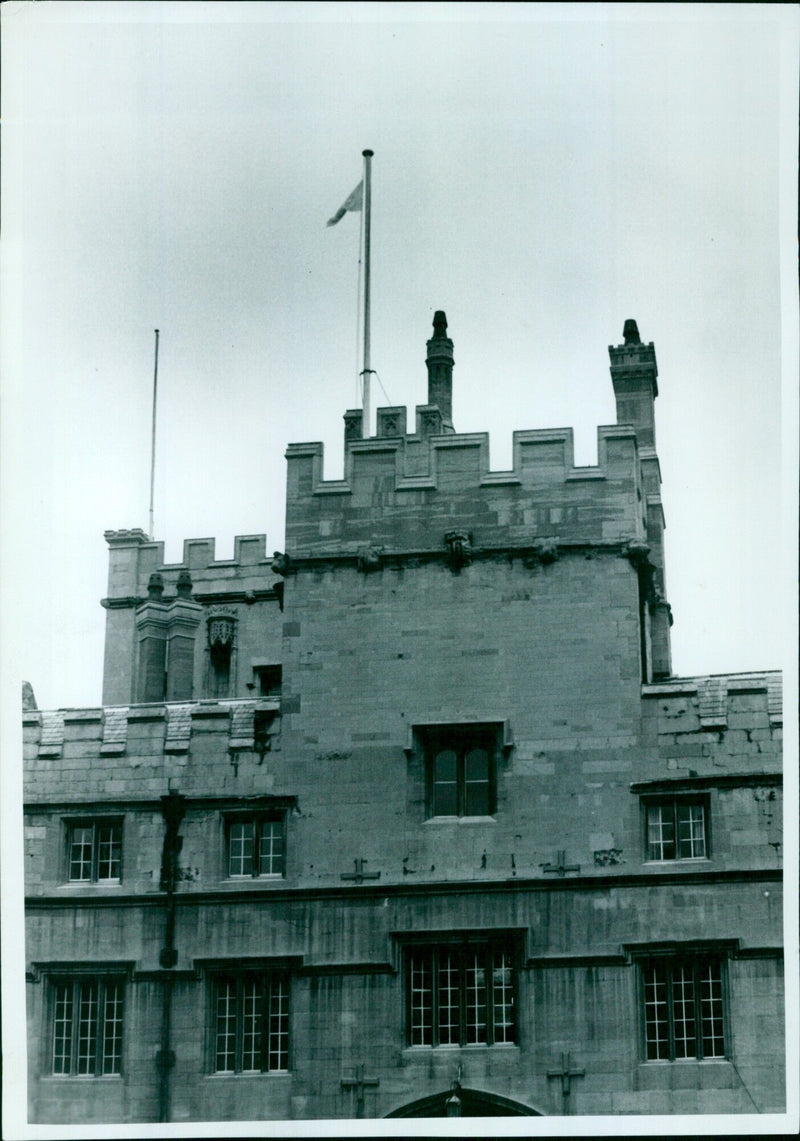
367 371
153 439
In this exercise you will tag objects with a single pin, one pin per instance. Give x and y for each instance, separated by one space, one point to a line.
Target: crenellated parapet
133 558
405 491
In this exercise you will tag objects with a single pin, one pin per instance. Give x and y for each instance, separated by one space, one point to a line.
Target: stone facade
500 861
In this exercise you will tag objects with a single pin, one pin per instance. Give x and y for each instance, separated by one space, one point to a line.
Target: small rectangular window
87 1027
461 769
676 828
251 1023
683 1008
268 679
461 995
94 851
256 845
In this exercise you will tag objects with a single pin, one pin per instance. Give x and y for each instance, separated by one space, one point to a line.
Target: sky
541 173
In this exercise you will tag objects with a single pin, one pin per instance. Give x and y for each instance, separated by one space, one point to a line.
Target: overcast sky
541 173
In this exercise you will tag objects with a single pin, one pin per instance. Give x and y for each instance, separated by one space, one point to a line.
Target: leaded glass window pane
711 1011
241 845
656 1013
421 999
476 782
270 848
445 784
80 853
660 833
691 831
62 1036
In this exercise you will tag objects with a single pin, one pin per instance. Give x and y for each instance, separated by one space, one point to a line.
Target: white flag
352 202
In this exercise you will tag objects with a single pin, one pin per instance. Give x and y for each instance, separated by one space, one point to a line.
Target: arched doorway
473 1103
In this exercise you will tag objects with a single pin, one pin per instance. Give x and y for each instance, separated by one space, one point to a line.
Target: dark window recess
94 851
87 1027
676 828
268 680
221 640
256 845
220 671
460 765
683 1008
461 994
251 1023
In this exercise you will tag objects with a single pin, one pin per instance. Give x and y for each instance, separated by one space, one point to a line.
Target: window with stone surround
460 764
683 1007
255 844
87 1023
676 828
250 1022
462 993
94 851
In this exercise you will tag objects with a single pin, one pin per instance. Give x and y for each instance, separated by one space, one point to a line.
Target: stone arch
474 1103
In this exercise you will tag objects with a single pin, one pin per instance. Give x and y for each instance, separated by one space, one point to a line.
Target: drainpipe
173 809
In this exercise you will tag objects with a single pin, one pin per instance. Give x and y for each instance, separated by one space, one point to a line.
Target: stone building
414 819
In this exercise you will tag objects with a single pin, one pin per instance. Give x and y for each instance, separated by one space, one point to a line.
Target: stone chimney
440 370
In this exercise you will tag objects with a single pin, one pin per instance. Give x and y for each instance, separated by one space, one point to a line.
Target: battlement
402 489
133 558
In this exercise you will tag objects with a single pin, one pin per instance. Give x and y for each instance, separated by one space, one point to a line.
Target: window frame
696 962
256 817
71 823
463 948
76 984
266 978
460 738
673 801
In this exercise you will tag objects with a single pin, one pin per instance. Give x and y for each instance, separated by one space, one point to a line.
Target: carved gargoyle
282 564
459 549
369 559
546 550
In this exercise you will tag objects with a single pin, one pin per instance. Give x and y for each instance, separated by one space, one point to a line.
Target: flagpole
367 371
153 438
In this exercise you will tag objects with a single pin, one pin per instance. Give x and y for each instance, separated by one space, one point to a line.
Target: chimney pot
631 332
